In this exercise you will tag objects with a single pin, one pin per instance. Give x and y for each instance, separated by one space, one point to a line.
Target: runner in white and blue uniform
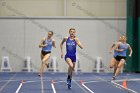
46 44
121 48
70 57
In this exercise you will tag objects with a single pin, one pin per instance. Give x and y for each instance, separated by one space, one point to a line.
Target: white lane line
80 86
124 87
101 80
135 79
120 86
33 81
19 87
52 84
42 85
91 82
86 87
7 82
59 82
19 80
109 82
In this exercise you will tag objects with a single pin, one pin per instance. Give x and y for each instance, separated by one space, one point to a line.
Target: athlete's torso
71 47
123 46
49 45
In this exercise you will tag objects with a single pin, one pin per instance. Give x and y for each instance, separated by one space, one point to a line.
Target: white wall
109 8
22 36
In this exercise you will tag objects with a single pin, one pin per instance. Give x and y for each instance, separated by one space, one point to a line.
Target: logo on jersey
71 44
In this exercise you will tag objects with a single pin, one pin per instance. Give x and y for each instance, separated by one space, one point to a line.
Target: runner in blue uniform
122 48
70 57
113 62
46 45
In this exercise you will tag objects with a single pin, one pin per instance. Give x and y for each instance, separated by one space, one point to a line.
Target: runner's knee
44 62
71 66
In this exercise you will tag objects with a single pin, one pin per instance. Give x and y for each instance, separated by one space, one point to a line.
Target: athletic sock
68 77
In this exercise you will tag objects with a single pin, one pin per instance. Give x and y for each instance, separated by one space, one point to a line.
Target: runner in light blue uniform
70 57
49 43
125 47
46 45
113 62
121 48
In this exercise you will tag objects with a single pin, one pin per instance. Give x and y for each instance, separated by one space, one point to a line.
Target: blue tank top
124 47
115 52
49 45
70 47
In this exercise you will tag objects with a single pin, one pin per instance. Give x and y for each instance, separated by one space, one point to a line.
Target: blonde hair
124 36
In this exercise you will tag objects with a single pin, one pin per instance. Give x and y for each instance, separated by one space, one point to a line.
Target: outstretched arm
61 46
131 51
112 47
79 43
54 45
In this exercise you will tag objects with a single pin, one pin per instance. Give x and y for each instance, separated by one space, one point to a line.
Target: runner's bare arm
54 45
61 46
131 51
41 43
79 43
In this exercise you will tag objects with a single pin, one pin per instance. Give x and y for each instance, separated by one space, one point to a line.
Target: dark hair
51 32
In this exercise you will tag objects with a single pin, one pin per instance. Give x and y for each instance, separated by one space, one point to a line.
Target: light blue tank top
71 47
49 43
124 47
115 52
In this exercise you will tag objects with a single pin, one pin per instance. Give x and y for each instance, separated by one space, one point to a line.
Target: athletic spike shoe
113 78
69 83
